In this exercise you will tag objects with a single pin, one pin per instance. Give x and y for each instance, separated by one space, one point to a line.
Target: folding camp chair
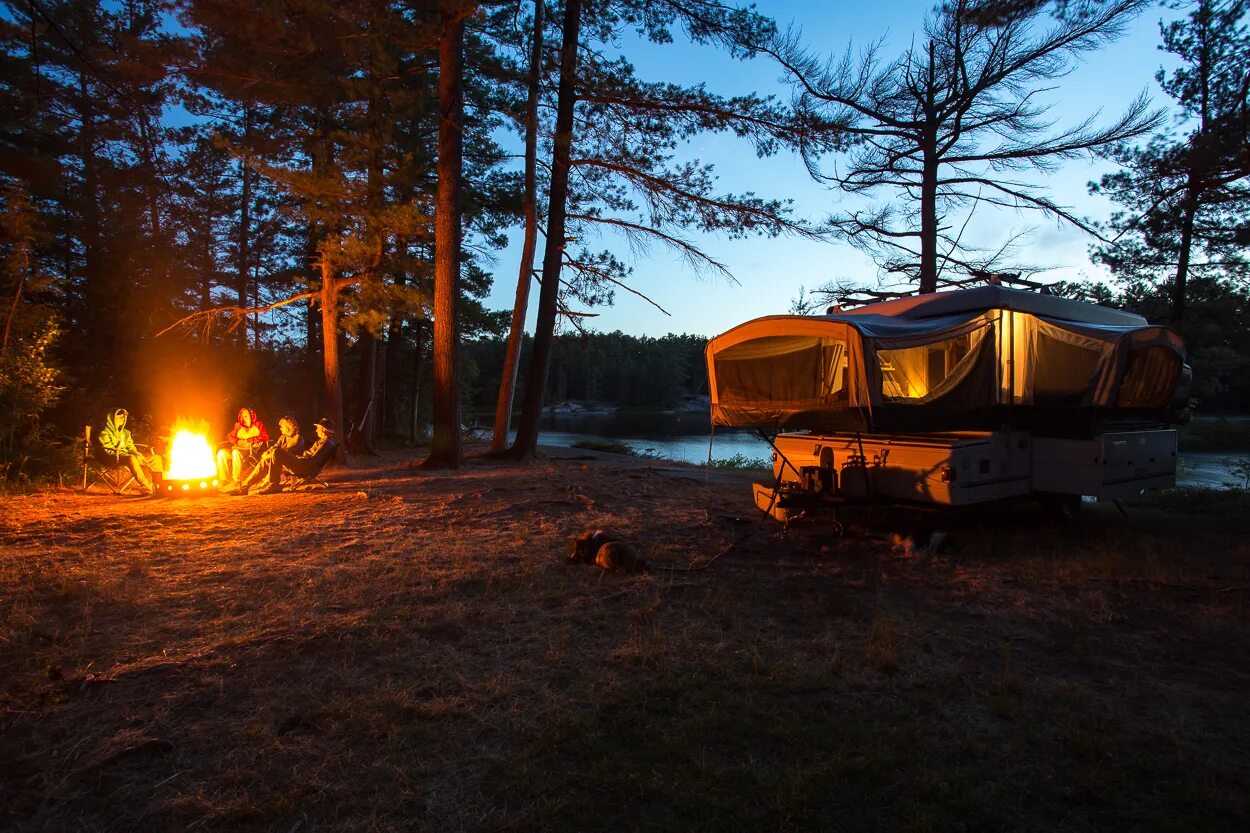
295 483
249 460
114 475
307 482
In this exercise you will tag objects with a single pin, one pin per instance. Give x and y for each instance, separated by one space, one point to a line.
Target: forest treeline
299 205
613 368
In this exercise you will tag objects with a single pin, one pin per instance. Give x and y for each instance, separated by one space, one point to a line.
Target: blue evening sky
770 272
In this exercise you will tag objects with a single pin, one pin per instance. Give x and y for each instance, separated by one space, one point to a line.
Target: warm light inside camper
916 372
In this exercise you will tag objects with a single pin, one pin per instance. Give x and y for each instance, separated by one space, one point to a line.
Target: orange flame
190 457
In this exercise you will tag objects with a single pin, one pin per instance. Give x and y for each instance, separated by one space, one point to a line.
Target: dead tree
951 122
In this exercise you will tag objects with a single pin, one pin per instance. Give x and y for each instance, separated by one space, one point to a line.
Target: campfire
191 468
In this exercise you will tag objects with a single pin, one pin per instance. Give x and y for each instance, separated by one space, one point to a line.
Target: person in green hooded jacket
118 446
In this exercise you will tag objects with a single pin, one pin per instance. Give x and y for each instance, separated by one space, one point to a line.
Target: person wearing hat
307 464
118 446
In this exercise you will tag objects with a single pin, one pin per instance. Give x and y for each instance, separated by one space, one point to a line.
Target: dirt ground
406 650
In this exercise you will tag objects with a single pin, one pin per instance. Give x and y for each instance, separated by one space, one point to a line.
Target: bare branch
205 318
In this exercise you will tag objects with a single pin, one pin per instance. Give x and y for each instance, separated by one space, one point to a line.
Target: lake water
674 436
685 437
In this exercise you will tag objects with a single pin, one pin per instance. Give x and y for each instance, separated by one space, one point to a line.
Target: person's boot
251 480
270 488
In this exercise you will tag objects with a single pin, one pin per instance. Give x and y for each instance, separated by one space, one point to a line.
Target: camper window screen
782 369
920 372
1064 372
1150 379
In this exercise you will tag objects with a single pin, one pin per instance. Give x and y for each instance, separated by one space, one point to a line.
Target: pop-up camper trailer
955 398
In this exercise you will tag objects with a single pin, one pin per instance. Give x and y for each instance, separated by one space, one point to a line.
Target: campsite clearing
406 650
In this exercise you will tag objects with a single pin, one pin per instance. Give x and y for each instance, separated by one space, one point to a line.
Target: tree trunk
388 401
208 262
312 363
445 446
332 405
418 337
99 313
321 151
366 415
544 330
157 244
1189 208
928 222
19 261
512 358
368 346
245 224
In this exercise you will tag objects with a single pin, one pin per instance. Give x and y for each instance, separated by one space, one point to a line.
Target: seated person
288 440
248 437
306 464
118 446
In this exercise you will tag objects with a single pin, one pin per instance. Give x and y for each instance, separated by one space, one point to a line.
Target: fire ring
192 471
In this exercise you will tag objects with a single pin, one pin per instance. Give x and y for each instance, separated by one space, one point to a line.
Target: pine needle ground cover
407 651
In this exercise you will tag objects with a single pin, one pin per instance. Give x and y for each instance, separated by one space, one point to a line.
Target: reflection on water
675 436
688 449
685 436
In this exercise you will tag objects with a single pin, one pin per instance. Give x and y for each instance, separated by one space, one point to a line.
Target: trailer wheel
1060 507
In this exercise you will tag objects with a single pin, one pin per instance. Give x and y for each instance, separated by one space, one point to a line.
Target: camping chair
249 460
116 476
295 483
305 483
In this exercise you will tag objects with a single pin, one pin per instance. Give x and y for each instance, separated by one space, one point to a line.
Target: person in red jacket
247 439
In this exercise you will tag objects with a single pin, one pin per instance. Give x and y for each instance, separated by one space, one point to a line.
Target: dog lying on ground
606 550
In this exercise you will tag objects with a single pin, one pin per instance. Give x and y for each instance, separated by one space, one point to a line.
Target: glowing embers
191 469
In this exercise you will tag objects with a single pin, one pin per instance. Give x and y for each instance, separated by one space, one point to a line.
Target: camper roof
954 302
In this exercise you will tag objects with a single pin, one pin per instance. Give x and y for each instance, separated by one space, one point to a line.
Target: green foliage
1214 327
1185 196
740 462
27 389
1215 434
1211 508
28 373
1239 469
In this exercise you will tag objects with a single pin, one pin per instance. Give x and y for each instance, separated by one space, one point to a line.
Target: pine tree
946 125
618 171
1186 198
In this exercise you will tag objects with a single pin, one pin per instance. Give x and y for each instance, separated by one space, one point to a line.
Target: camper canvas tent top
988 358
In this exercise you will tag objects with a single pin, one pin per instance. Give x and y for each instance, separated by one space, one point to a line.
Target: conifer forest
301 204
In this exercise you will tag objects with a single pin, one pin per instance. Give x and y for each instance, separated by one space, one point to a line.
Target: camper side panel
1108 467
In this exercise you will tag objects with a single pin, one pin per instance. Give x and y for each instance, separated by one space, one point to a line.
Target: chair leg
116 479
119 480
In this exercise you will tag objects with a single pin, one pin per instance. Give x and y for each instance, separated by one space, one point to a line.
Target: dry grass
407 651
